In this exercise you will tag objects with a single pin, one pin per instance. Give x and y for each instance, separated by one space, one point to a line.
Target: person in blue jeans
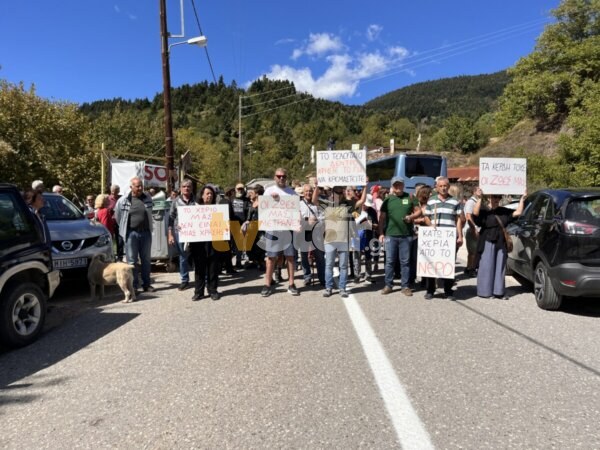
339 224
134 216
398 212
186 198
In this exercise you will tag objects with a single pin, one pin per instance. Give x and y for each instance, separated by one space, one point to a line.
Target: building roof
464 174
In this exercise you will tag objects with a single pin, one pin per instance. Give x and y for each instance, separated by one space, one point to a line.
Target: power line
269 101
277 107
268 92
205 48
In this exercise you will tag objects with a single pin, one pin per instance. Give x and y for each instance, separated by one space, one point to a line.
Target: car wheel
23 313
545 294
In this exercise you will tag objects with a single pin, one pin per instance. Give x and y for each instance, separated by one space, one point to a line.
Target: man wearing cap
240 205
398 212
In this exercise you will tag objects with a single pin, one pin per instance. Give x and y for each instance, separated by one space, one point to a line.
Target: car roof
561 195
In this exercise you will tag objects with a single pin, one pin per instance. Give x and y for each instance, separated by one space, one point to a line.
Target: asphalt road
371 371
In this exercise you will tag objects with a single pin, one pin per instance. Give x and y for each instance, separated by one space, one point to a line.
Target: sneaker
327 293
292 290
266 291
215 296
451 297
407 292
149 288
344 293
307 281
428 296
386 290
198 297
183 286
357 280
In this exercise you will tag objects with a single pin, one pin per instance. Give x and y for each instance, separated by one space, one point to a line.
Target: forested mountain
466 96
555 89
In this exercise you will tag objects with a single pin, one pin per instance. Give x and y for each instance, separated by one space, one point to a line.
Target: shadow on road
51 348
532 340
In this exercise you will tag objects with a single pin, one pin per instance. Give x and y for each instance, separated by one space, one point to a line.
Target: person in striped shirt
443 210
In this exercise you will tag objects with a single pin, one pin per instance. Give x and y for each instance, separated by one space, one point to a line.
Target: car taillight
579 228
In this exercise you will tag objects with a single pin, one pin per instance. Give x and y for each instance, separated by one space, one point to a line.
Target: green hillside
466 96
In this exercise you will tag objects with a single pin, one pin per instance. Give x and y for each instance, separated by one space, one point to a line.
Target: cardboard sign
203 223
436 256
342 168
278 214
499 176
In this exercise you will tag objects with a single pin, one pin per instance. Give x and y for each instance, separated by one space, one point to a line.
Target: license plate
70 263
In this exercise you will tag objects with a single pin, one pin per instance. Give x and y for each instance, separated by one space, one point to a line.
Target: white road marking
409 428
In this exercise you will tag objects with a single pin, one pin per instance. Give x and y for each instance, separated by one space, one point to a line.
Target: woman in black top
491 247
256 254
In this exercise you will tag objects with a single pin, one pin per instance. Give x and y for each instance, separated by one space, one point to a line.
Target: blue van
413 167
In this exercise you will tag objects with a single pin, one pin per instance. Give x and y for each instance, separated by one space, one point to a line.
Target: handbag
507 237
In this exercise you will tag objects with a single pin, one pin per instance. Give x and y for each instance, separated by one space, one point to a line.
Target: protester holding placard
205 256
256 255
280 242
398 212
443 210
311 215
186 198
492 245
471 234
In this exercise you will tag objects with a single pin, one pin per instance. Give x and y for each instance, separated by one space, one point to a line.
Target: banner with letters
436 257
203 223
500 176
278 214
342 168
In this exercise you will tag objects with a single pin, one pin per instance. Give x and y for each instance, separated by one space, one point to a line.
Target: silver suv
75 238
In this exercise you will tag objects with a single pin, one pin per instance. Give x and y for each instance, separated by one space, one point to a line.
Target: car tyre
545 294
22 313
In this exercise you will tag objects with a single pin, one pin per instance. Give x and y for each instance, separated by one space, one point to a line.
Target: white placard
278 214
499 176
436 256
342 168
203 223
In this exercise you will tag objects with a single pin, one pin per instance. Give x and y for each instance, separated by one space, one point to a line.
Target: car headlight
103 240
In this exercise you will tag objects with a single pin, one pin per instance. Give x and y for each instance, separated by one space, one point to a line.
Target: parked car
75 238
27 278
557 245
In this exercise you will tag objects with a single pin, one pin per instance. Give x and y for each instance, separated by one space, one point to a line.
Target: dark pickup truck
27 277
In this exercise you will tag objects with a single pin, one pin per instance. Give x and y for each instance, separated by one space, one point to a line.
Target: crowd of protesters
342 228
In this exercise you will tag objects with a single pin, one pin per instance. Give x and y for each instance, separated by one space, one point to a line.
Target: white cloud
319 44
344 70
131 16
117 9
373 32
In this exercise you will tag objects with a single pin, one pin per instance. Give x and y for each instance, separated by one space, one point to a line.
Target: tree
458 135
41 139
546 84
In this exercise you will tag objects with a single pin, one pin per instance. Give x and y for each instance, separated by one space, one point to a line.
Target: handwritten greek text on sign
203 223
503 175
436 252
342 168
278 214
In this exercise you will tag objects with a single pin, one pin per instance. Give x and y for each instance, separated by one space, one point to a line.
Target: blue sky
350 51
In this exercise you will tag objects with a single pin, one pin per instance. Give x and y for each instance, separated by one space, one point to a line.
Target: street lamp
165 50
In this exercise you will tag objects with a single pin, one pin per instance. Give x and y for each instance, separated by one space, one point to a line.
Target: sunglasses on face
281 176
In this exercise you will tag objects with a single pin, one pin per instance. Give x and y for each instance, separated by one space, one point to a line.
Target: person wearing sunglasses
273 250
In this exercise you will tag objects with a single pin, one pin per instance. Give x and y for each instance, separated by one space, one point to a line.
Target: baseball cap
240 186
375 188
369 201
397 180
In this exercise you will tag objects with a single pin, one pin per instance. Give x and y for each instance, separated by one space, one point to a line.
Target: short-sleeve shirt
442 213
396 208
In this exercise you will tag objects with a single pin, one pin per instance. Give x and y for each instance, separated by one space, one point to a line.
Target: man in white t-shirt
275 239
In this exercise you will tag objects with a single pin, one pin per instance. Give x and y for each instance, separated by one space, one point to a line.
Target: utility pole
169 145
240 139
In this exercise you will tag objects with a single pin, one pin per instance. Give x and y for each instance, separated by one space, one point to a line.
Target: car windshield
59 208
584 210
